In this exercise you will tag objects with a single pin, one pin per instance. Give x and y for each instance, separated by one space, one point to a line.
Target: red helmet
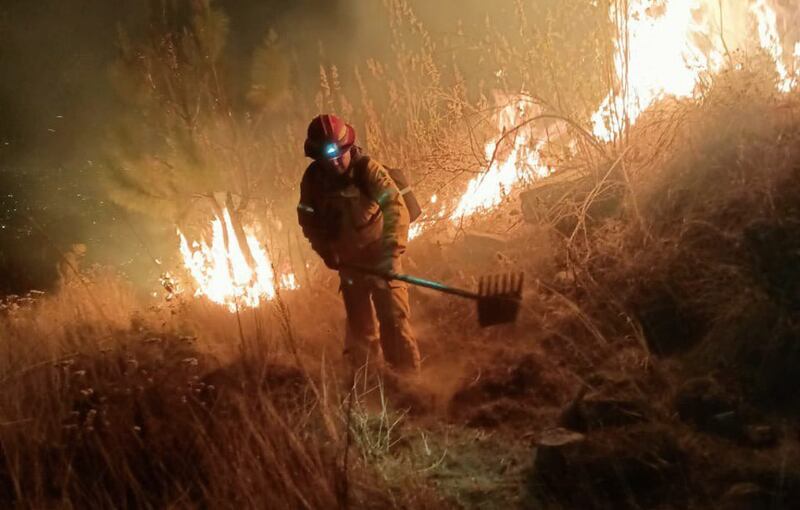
328 137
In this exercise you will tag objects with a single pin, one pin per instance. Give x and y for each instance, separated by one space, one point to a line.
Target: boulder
483 247
613 401
595 411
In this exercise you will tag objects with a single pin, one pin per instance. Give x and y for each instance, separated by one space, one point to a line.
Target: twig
587 322
33 367
344 495
636 211
722 36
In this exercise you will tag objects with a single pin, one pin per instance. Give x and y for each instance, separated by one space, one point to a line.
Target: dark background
54 103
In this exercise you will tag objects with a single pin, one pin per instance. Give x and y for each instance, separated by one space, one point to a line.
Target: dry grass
113 407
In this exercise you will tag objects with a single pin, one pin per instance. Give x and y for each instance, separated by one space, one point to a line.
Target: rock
641 467
615 400
745 496
594 411
483 247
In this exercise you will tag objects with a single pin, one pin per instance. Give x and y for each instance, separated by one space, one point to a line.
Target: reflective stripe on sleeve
385 196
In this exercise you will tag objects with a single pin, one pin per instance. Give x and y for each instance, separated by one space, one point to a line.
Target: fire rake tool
499 296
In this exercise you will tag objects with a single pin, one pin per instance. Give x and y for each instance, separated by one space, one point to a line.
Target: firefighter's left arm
384 191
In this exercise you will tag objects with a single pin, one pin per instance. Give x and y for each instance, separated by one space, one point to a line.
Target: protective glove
389 264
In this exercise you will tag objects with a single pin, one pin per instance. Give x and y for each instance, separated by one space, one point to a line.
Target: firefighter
353 214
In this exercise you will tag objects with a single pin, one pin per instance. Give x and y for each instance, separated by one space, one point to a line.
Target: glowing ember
223 274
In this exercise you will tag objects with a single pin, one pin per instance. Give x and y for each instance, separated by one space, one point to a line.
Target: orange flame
770 40
668 50
506 171
659 58
223 274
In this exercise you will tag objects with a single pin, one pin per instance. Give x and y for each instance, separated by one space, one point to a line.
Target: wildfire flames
222 272
665 48
506 171
669 46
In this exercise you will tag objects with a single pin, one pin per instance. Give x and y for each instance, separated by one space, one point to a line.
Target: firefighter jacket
359 216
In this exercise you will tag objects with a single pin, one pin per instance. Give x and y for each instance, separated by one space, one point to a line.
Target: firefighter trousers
391 333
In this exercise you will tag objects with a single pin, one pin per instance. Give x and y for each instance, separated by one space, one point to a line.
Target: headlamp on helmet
329 137
331 151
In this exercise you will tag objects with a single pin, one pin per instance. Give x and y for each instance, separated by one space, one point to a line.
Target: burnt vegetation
655 362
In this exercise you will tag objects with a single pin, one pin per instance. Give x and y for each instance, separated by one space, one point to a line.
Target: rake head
499 299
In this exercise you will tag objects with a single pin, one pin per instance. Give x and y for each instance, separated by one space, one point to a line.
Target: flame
514 159
668 49
659 57
771 41
487 190
223 274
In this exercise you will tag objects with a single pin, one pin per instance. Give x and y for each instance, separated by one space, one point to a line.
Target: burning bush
710 251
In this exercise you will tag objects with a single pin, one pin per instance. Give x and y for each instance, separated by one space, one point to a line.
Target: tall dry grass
107 404
683 235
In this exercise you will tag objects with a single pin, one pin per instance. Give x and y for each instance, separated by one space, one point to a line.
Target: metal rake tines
501 285
499 298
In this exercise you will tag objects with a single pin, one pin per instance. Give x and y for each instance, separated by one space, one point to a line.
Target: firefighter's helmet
329 137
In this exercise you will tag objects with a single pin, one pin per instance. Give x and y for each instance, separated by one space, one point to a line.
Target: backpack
399 178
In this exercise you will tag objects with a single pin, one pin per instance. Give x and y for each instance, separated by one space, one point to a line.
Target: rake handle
413 280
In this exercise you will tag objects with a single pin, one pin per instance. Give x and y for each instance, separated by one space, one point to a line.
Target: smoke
56 105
